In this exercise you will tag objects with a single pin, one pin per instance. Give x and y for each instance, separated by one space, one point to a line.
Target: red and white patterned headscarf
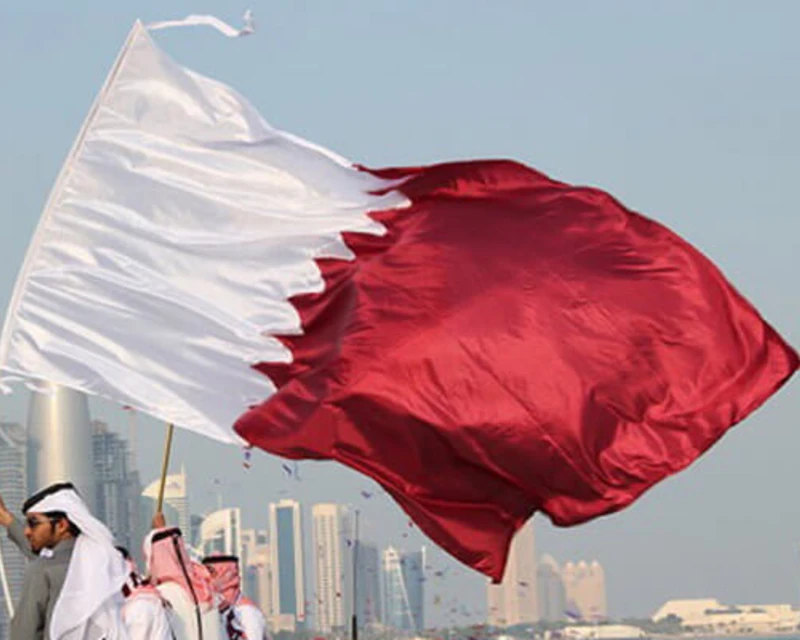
226 578
168 561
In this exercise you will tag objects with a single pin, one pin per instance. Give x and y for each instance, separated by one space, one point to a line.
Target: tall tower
117 487
221 533
60 441
550 588
598 606
369 580
177 497
260 568
404 589
254 563
333 575
585 586
286 551
514 600
13 481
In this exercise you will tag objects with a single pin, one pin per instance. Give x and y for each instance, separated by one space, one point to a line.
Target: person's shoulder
38 571
250 611
246 603
40 562
48 559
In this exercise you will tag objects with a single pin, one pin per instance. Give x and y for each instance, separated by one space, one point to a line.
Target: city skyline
581 583
117 493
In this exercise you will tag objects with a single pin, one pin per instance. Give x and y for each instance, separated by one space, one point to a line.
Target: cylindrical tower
60 442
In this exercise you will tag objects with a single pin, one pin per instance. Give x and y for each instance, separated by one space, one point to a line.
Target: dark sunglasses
32 523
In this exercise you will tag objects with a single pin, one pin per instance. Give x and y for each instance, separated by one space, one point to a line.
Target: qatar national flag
484 341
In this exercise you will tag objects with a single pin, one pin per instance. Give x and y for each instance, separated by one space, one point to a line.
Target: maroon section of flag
515 344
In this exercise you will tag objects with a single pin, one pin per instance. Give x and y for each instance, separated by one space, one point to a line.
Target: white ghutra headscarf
88 607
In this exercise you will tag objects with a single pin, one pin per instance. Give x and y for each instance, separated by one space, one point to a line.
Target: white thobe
184 619
252 621
145 617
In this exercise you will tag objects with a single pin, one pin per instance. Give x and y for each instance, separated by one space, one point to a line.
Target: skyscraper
286 551
176 496
260 569
585 588
13 488
60 441
221 533
404 589
117 487
253 563
368 591
513 601
332 544
550 590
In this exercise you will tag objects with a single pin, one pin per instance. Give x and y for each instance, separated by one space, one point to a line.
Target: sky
686 111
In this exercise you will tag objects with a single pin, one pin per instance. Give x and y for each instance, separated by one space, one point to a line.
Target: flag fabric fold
515 344
482 340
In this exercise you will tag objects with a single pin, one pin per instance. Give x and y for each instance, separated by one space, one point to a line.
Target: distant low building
599 632
709 615
686 609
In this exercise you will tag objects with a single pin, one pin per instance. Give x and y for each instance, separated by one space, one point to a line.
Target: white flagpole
6 589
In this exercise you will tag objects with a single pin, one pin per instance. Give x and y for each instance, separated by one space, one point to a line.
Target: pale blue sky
687 110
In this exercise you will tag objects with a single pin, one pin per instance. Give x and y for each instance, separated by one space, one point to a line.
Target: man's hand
6 517
159 521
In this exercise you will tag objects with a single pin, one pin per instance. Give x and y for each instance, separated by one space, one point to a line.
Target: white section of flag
180 225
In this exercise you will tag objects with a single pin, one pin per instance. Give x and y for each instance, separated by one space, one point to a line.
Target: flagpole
6 589
356 543
165 467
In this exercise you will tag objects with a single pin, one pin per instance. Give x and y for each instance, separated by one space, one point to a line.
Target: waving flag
481 339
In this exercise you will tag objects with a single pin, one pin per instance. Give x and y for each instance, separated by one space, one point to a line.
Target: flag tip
195 20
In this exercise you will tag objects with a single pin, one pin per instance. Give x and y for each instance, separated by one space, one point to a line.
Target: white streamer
195 20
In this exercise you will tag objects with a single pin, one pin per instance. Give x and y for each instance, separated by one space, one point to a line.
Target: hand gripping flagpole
165 467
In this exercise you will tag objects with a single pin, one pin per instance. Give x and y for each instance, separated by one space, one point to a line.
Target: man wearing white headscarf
73 589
